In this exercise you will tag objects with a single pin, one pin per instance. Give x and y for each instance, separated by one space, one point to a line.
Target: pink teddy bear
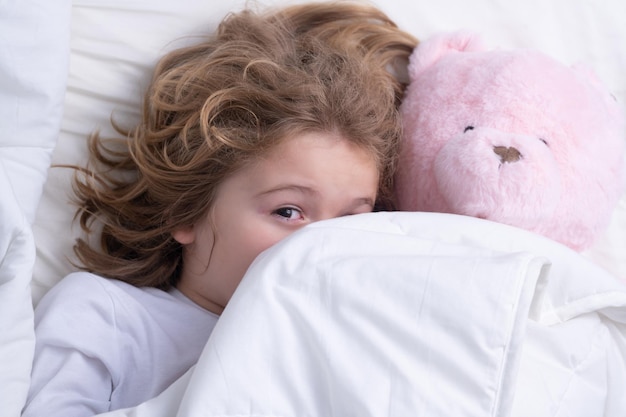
510 136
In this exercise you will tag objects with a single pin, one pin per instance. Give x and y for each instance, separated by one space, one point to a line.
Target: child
278 120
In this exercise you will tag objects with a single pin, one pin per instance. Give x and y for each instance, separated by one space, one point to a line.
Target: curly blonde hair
215 106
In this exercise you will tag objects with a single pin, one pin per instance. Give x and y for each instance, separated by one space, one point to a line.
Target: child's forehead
313 142
307 150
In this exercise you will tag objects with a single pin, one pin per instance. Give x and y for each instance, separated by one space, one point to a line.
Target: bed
381 316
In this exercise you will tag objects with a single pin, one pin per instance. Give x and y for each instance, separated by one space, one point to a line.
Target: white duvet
405 314
33 72
379 314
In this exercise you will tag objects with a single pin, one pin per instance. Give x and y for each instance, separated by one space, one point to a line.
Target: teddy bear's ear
585 71
432 49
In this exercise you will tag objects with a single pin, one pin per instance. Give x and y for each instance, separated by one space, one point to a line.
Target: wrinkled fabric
34 60
412 314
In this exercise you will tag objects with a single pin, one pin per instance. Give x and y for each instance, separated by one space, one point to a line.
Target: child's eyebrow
289 187
302 189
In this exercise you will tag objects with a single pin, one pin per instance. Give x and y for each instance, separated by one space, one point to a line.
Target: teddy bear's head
511 136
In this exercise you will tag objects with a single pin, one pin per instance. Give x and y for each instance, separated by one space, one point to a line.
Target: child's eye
289 213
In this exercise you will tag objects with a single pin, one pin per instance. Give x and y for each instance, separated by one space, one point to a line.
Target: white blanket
34 60
412 314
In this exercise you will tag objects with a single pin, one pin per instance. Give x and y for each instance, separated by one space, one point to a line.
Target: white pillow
115 44
34 56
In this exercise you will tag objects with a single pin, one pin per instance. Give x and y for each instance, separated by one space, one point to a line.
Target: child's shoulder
100 299
83 289
89 286
86 297
79 281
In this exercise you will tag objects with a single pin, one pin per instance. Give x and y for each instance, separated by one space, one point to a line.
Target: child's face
308 178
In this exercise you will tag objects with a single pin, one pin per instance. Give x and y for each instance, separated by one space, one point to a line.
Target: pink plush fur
511 136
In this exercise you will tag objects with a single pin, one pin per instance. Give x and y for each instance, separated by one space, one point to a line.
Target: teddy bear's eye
468 128
544 141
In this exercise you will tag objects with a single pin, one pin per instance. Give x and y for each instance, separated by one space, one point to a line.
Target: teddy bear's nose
507 154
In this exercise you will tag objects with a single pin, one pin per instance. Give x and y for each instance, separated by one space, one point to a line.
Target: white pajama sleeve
75 355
